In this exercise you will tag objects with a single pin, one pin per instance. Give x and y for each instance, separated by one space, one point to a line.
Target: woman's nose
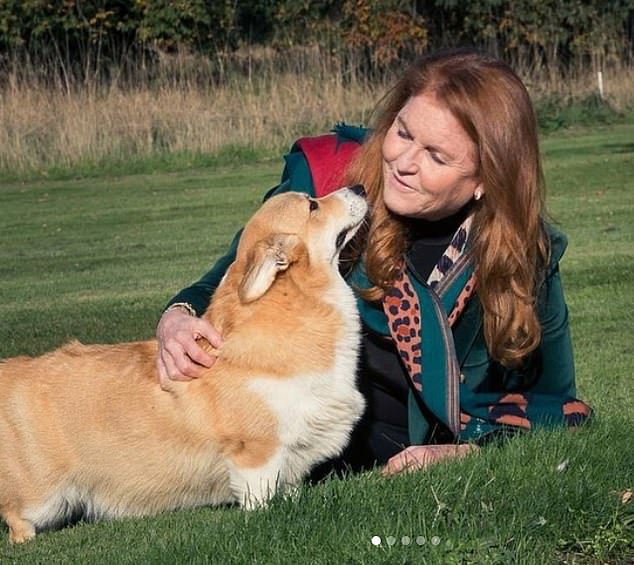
408 161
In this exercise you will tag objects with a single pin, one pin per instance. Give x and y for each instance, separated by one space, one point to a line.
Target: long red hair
508 243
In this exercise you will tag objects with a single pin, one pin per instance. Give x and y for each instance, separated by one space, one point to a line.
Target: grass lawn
97 258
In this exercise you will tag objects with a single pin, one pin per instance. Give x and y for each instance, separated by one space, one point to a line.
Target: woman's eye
313 205
437 158
403 134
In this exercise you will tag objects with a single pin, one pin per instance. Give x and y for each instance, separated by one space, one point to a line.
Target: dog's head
292 228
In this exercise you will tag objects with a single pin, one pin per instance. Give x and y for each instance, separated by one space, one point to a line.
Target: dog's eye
313 205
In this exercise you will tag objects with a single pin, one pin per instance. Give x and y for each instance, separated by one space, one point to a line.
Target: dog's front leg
253 487
20 529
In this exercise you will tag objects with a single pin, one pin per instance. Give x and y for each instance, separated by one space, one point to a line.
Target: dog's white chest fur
315 411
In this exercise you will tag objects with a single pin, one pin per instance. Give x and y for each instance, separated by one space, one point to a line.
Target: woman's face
428 162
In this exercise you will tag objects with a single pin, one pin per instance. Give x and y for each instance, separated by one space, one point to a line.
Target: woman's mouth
400 184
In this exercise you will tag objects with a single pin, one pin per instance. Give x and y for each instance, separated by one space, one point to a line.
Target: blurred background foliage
97 83
82 40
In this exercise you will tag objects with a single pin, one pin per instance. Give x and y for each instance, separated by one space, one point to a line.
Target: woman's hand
180 357
420 456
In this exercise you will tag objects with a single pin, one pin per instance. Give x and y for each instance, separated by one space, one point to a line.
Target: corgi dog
87 431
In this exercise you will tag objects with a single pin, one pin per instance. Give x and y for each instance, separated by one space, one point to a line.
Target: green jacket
548 379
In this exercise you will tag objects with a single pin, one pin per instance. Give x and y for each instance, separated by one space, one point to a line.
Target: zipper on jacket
452 371
452 375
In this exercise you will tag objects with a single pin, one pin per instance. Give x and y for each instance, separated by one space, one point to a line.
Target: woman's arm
198 295
180 357
417 457
557 375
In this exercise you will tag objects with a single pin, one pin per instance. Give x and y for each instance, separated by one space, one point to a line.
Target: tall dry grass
617 79
40 128
190 105
201 106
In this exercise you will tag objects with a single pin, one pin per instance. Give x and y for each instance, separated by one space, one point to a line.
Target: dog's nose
358 190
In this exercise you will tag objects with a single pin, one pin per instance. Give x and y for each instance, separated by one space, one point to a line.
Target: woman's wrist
183 306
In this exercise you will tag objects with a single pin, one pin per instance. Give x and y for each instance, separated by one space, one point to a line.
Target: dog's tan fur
86 427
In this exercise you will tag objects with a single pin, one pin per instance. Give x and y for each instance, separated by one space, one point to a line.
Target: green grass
555 112
162 160
97 258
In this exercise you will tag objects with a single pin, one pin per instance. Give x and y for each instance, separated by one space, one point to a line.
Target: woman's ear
478 192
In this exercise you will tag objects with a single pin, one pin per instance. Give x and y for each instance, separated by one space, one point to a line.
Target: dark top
384 382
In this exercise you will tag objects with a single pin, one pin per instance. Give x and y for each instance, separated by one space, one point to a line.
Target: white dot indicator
420 540
435 540
376 540
406 540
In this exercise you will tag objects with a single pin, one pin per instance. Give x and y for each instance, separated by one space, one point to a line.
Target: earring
477 194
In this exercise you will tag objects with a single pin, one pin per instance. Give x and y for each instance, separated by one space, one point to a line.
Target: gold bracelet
182 306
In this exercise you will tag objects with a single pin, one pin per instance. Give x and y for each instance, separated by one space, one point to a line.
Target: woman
466 330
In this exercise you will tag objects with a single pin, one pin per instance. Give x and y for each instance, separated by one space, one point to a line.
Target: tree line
92 37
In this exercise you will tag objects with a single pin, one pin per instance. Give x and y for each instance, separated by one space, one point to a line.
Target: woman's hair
508 242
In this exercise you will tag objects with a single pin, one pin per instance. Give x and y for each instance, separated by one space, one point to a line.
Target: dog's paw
20 531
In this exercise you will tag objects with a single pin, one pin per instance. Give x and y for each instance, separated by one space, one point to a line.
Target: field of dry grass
256 103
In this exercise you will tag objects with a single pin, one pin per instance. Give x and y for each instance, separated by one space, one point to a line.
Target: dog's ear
266 260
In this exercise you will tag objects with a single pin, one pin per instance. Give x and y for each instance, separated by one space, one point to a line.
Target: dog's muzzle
357 208
358 189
